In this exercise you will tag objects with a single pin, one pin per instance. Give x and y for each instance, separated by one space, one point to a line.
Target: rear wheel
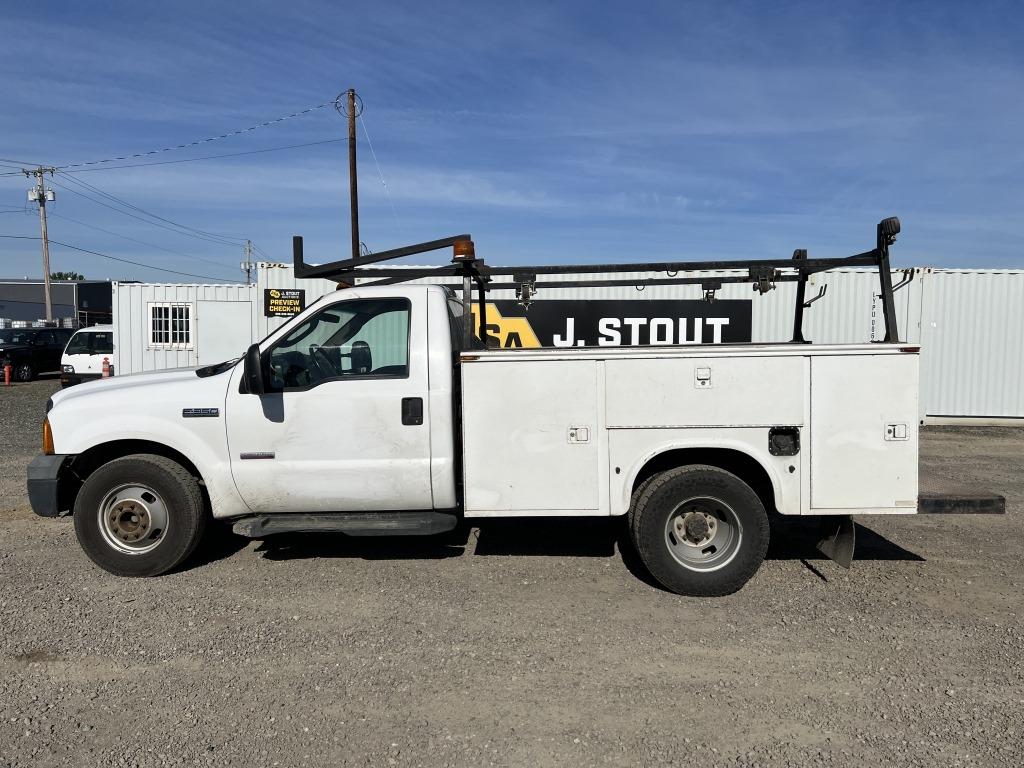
699 530
24 372
139 515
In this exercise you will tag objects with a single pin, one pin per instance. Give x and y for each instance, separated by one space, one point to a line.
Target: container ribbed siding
972 338
134 347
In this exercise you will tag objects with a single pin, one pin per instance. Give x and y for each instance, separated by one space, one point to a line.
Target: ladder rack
526 280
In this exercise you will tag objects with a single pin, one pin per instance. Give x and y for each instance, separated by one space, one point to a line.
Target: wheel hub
130 520
695 528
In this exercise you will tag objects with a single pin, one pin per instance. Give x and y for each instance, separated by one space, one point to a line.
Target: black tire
669 499
24 372
180 501
631 514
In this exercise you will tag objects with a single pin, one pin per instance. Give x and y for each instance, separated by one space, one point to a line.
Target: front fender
159 409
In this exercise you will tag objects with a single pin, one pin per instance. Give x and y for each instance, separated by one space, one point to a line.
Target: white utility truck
375 412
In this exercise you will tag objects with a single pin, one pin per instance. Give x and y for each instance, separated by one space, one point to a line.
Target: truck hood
135 387
176 408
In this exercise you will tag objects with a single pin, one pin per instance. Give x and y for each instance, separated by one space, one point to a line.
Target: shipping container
161 326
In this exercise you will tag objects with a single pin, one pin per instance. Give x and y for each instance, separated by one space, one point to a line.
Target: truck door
343 425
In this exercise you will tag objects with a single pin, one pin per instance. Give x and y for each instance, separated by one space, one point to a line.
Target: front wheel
139 515
699 530
24 372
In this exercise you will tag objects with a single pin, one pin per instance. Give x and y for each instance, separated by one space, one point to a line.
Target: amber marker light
47 438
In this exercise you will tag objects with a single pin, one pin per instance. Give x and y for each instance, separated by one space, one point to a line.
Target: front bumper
44 475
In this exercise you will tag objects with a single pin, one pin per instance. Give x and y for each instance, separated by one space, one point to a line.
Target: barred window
170 326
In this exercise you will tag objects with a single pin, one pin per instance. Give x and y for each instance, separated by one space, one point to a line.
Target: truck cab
366 379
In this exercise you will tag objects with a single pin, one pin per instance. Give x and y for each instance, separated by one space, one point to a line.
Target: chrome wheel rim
133 519
703 533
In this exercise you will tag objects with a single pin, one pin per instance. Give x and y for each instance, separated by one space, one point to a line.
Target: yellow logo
275 294
510 331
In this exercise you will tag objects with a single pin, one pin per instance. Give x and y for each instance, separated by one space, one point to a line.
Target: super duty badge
198 413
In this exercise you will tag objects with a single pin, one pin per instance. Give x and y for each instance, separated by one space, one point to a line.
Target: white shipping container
972 343
171 325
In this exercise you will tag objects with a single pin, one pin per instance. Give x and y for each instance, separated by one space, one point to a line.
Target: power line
263 253
207 157
197 142
140 242
228 239
16 163
140 218
387 192
115 258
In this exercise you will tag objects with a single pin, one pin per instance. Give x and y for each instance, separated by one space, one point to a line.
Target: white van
83 357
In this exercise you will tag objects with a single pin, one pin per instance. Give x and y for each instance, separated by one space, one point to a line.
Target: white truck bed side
567 432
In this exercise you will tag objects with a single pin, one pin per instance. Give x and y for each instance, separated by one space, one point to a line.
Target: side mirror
253 372
362 358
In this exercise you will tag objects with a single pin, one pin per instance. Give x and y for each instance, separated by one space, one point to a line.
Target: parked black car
31 351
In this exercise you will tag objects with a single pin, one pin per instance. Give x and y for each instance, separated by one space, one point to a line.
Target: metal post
248 262
801 293
482 302
887 231
40 191
467 308
353 180
46 247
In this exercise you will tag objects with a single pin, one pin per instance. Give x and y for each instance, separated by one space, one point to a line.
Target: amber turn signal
47 438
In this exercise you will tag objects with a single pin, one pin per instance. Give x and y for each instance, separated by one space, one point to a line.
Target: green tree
66 276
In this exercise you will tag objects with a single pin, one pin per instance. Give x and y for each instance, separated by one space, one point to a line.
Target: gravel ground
533 644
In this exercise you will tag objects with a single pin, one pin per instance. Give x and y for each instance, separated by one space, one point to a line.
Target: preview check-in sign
283 302
562 323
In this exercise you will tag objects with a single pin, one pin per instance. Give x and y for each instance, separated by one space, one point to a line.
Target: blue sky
553 132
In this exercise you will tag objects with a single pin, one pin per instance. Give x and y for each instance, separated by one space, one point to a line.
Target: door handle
412 410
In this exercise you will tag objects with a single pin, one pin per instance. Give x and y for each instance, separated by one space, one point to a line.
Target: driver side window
363 338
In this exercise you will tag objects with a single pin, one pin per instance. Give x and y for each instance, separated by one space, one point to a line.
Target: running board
352 523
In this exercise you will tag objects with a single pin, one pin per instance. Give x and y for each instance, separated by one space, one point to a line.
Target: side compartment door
344 426
864 420
532 435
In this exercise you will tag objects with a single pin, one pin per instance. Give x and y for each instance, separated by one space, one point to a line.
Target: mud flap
837 539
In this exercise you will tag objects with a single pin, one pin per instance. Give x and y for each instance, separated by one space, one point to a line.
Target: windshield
15 336
91 343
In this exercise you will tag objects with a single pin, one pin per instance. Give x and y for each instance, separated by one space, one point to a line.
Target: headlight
68 368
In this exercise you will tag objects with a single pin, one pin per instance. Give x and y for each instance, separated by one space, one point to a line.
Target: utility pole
247 264
352 178
40 194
